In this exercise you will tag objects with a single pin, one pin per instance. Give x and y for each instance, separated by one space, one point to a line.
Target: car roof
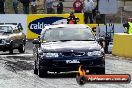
9 25
67 26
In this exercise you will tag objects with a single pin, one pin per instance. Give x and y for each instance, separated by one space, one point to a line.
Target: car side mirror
36 41
94 29
101 41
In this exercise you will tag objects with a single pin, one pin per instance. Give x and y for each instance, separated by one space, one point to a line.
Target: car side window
6 29
10 29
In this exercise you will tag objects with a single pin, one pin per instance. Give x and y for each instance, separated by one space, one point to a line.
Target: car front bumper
60 64
4 47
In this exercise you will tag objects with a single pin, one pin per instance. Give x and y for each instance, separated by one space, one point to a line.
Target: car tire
42 73
35 68
21 49
11 49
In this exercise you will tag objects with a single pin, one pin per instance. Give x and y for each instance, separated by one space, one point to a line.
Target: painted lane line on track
16 55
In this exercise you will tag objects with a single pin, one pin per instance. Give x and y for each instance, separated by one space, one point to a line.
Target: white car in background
110 47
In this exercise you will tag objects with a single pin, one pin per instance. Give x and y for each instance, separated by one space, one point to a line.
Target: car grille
73 53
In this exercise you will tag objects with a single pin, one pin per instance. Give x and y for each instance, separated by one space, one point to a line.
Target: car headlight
4 41
52 55
102 50
94 53
49 55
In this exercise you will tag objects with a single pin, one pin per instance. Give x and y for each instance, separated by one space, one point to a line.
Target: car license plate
72 61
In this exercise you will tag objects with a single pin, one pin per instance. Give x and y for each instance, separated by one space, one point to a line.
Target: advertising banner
35 23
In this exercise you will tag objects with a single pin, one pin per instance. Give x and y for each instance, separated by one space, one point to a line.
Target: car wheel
35 68
21 48
42 73
11 49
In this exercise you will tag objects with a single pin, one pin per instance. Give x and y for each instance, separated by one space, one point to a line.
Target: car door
20 36
16 37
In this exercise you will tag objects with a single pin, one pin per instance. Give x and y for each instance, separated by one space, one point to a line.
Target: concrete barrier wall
122 45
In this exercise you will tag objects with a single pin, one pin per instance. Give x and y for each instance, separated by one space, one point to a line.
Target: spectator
2 6
15 6
25 6
95 9
78 6
72 19
128 26
34 6
60 7
88 7
98 17
49 6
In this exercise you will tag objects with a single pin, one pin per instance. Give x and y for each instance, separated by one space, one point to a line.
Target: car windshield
5 29
68 34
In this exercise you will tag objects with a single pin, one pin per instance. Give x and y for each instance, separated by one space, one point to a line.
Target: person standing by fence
72 19
2 6
34 6
15 6
49 6
25 6
60 7
128 26
88 7
77 6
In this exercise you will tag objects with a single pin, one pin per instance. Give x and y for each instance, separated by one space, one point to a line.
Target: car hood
3 36
69 46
